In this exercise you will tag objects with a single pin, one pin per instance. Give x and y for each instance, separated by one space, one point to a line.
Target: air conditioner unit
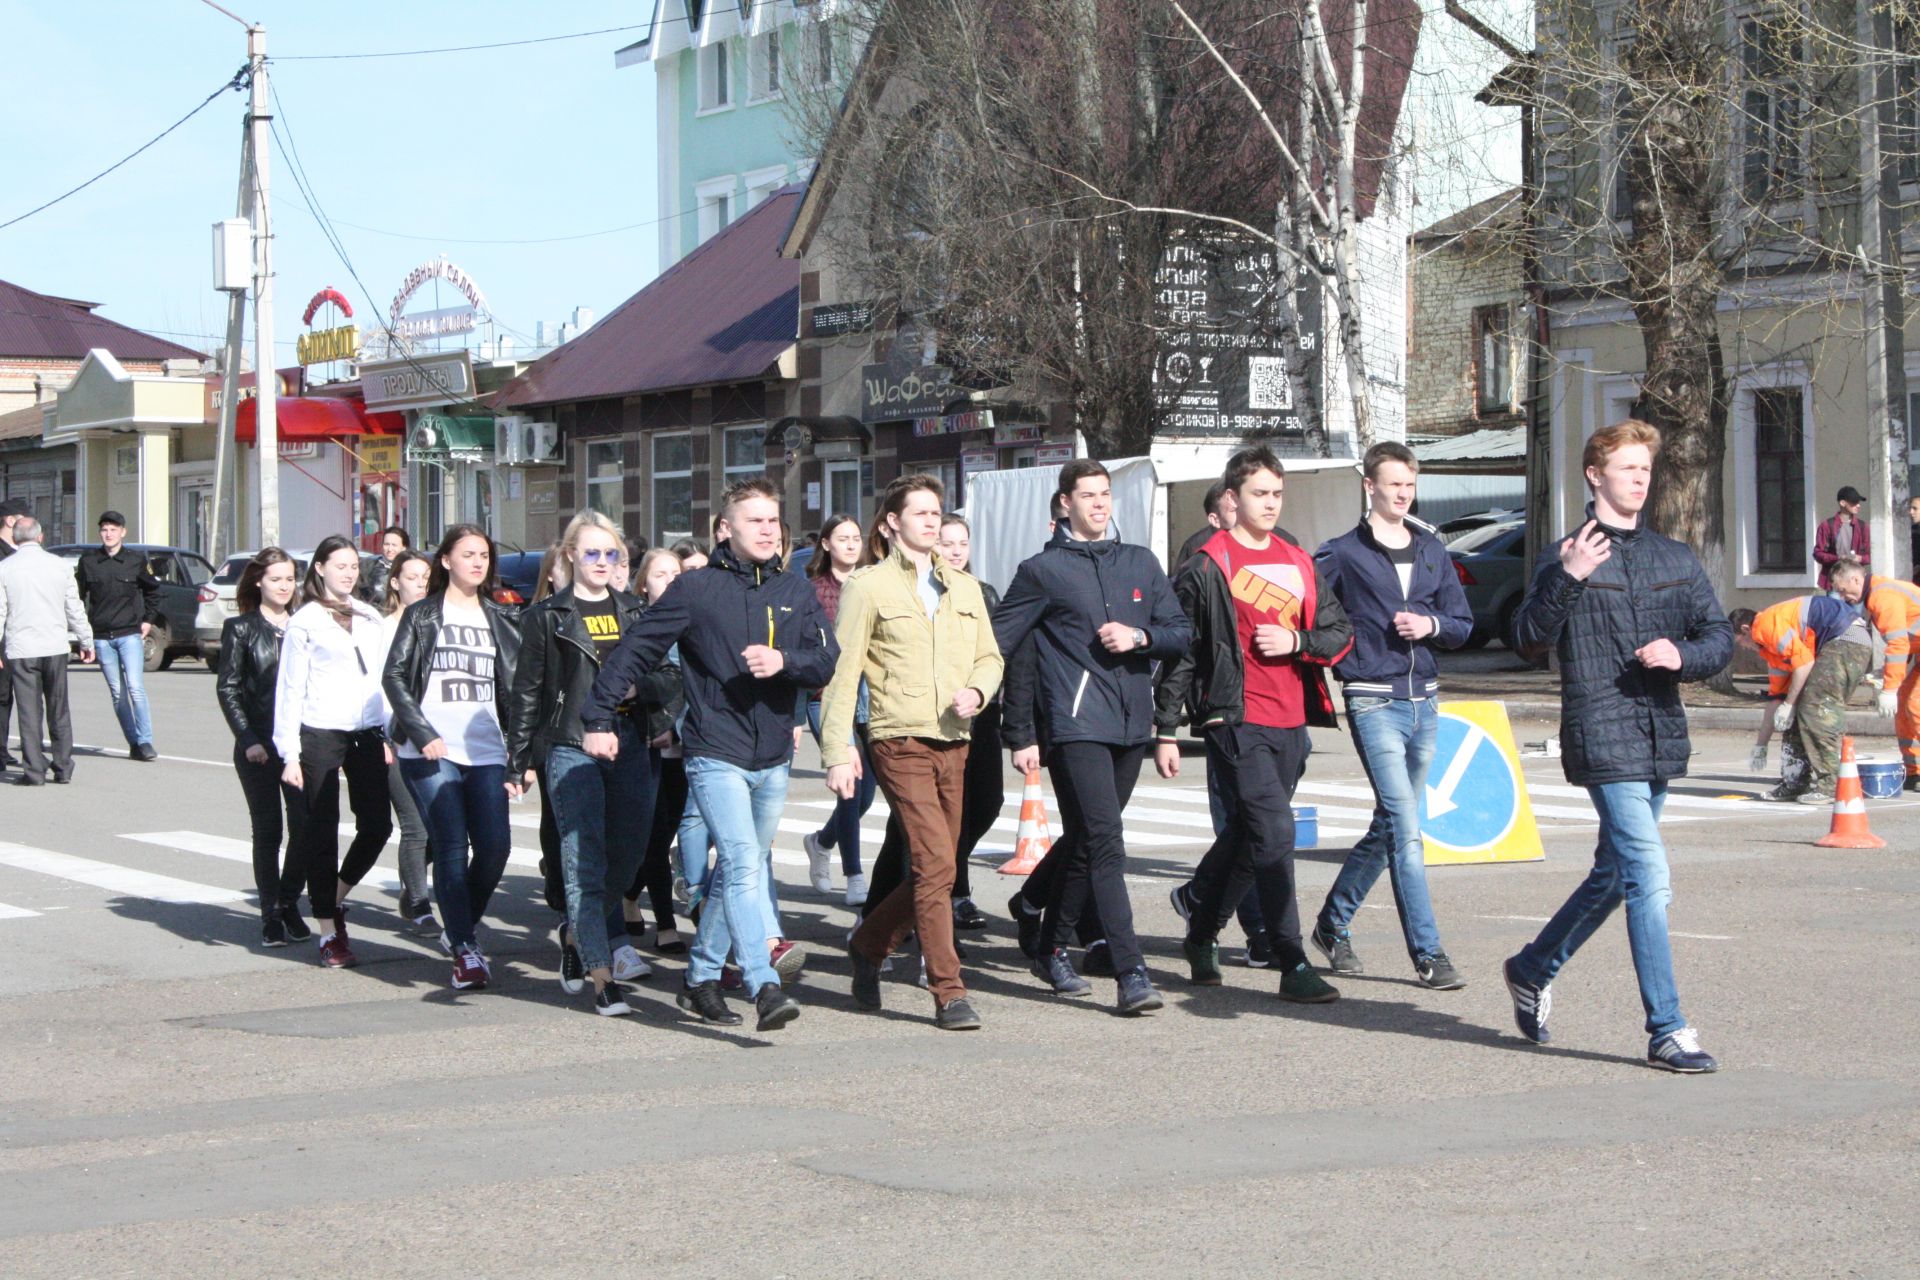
506 440
539 442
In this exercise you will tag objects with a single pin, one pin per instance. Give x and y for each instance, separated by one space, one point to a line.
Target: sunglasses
594 555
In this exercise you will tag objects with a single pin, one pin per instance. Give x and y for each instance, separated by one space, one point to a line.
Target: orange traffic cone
1032 841
1849 829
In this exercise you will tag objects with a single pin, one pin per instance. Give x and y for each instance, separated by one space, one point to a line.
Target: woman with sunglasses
329 717
452 663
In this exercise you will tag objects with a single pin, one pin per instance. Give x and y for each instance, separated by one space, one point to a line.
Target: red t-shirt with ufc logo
1268 587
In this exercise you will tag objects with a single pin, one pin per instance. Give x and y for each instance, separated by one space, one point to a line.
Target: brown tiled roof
38 325
22 423
723 313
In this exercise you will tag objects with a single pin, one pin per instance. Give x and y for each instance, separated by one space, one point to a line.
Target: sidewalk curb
1860 723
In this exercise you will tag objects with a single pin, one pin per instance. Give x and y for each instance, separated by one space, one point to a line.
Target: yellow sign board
323 345
378 453
1475 806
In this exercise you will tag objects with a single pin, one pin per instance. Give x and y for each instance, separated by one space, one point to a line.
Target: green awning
447 437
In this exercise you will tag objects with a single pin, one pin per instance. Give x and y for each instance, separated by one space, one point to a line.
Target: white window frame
1791 375
820 57
592 485
730 473
714 201
713 65
657 475
833 469
764 72
761 183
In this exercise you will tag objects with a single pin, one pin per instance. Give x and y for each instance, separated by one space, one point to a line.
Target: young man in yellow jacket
918 630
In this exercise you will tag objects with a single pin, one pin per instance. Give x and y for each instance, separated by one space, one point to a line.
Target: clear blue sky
532 142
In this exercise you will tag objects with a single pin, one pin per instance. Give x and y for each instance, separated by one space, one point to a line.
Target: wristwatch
1139 638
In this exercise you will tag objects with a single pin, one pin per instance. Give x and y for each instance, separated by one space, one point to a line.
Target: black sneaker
956 1015
295 923
1098 961
273 930
1056 971
966 915
705 1002
1259 952
866 980
1027 923
1203 962
144 753
1680 1051
1437 971
1182 903
1301 985
1136 994
610 1001
1912 783
573 975
1338 949
419 914
1531 1004
776 1008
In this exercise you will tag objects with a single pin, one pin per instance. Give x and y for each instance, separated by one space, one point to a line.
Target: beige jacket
914 666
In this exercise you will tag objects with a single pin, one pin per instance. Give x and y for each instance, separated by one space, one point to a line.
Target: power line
509 44
583 235
239 81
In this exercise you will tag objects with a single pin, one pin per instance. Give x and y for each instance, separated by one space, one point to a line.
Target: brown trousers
924 782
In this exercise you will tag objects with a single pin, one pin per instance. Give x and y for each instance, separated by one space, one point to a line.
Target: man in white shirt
40 616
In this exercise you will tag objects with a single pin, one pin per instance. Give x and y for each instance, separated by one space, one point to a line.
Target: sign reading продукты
1475 806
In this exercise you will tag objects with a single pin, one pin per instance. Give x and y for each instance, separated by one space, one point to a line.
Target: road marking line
1703 937
15 913
198 842
115 879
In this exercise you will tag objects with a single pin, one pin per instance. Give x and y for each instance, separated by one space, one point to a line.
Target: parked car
1491 563
1454 528
182 573
217 602
519 578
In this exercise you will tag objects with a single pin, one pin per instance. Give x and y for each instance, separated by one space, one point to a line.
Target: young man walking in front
1403 598
1632 616
1265 628
752 639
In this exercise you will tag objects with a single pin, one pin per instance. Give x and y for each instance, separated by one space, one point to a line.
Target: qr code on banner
1268 386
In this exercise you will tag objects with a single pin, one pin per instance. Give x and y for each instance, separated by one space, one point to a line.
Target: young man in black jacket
1631 615
1265 628
753 640
1400 591
1099 610
123 602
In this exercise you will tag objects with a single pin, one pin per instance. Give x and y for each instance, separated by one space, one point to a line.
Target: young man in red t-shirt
1265 630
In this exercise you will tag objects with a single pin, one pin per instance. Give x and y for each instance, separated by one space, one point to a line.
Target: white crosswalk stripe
15 913
123 881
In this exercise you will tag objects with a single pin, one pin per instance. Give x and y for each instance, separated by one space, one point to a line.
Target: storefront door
843 490
193 514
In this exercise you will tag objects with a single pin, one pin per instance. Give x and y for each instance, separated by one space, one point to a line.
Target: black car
181 574
518 575
1491 561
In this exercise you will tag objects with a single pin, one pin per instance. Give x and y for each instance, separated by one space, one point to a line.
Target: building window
672 488
745 453
763 71
1779 463
604 470
762 183
716 89
1771 111
1620 195
820 52
715 202
1493 358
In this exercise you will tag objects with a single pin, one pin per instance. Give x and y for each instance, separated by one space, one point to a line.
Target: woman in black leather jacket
408 574
249 664
448 670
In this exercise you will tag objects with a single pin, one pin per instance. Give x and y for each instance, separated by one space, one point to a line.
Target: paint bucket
1882 779
1306 826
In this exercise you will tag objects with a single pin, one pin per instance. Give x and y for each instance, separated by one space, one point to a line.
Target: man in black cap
123 602
11 513
1843 534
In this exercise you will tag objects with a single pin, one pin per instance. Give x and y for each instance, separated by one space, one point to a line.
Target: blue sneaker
1531 1004
1056 971
1680 1051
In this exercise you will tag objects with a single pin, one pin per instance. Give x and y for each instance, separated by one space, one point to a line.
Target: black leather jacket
249 665
410 661
558 665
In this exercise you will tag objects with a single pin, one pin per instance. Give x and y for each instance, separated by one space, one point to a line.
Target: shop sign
1018 433
433 378
323 345
299 450
888 392
438 269
436 324
1052 455
832 319
953 424
380 453
982 459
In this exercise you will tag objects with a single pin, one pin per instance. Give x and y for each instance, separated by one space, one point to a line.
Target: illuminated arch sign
322 346
443 322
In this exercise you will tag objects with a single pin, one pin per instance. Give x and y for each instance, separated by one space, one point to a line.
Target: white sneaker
857 890
628 966
819 862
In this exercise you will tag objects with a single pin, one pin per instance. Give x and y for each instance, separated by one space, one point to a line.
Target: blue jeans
695 841
1629 865
605 812
842 831
124 663
741 808
462 805
1395 738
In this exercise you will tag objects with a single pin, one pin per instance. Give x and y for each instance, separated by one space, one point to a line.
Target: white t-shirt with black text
459 698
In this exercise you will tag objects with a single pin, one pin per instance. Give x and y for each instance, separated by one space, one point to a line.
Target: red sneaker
336 954
731 979
469 971
340 923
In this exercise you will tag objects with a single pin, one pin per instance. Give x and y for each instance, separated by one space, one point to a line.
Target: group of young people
668 717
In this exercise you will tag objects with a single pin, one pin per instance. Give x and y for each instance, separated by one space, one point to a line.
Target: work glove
1757 762
1889 701
1783 717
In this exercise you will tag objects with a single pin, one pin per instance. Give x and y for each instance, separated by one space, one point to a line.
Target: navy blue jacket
1061 598
1358 570
713 614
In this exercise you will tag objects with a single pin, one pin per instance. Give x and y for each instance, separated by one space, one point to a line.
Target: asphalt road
179 1102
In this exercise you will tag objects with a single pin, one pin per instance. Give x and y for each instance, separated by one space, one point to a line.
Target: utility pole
1883 303
267 439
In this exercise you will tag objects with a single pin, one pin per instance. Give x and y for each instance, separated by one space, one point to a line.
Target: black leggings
278 883
656 869
324 754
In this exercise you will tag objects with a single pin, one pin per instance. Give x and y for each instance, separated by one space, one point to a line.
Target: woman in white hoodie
330 715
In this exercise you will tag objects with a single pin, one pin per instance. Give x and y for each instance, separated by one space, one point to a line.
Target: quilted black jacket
1621 721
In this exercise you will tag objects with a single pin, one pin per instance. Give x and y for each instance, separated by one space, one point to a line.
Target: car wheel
1507 612
154 650
1477 638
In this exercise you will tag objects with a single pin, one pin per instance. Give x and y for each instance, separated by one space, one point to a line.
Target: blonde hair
647 559
589 518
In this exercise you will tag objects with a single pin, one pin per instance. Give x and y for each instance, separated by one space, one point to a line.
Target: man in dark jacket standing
1265 628
123 602
753 640
1099 611
1401 593
1632 616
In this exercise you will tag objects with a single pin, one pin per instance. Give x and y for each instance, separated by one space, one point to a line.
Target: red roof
37 326
315 418
724 313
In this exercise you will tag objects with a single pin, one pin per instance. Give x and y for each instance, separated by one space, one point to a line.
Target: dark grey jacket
1621 721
